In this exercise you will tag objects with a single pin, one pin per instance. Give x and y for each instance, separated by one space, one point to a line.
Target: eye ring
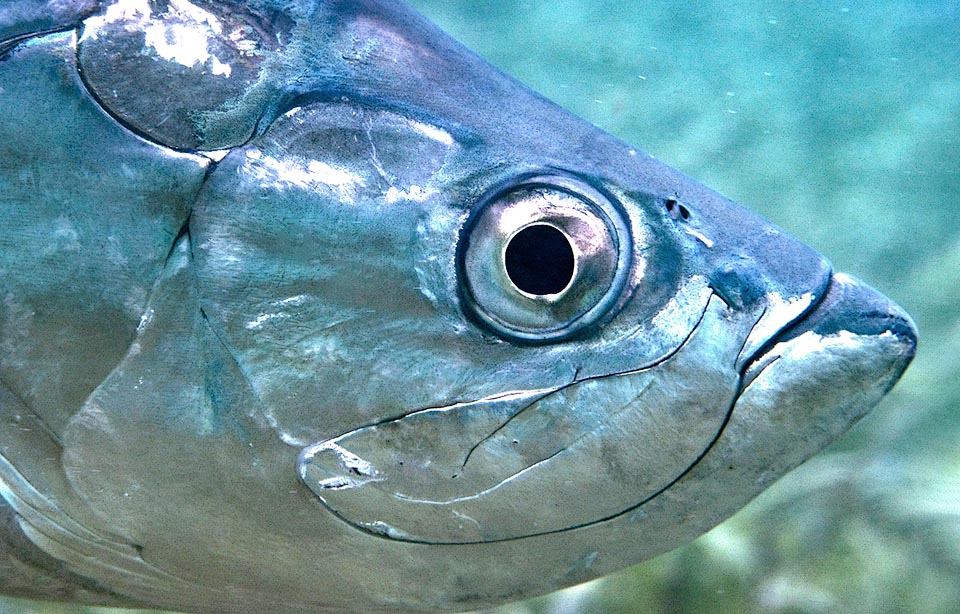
543 258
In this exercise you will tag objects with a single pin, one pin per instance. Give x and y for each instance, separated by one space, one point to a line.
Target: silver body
263 346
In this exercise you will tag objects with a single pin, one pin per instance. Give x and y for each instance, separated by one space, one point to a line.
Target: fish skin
27 18
245 345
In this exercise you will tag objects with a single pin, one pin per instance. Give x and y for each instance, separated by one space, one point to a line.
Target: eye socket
543 259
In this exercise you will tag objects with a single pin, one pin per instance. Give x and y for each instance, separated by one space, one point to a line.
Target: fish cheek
536 462
311 266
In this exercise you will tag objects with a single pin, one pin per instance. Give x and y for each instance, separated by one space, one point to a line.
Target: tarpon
304 307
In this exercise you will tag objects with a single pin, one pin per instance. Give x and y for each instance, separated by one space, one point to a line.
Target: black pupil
539 260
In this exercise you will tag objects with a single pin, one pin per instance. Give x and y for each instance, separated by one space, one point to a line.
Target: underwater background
839 121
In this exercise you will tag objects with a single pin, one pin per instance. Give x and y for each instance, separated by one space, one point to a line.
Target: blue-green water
840 121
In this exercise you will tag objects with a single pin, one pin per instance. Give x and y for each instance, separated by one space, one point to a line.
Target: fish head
423 328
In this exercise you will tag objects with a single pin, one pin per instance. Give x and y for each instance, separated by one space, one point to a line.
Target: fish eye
543 259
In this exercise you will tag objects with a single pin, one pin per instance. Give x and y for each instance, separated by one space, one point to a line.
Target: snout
852 329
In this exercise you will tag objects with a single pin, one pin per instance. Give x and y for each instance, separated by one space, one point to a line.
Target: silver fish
306 308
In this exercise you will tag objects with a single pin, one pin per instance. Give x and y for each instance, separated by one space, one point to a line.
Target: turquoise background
840 121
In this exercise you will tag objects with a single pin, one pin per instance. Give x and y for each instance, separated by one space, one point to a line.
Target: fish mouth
849 315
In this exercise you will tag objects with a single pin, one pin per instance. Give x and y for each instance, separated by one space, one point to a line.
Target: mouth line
831 315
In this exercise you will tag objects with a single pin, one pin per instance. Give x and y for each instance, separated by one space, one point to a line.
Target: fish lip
846 306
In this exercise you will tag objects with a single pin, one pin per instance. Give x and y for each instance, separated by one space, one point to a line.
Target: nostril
677 210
